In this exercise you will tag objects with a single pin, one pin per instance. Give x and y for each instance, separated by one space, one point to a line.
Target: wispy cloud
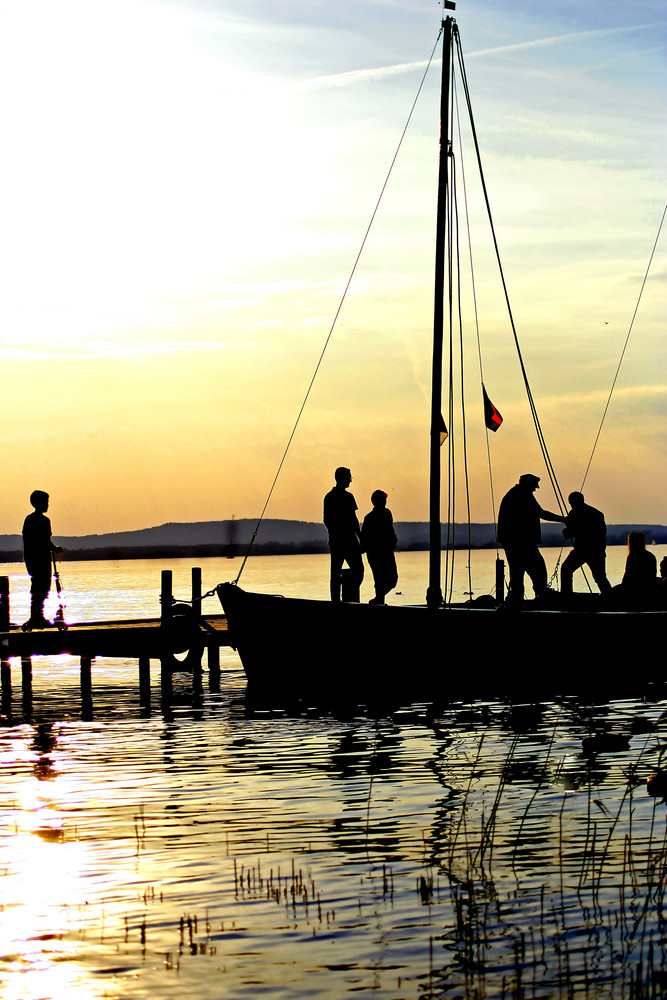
354 77
560 39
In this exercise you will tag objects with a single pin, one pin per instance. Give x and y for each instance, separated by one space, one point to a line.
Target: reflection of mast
231 538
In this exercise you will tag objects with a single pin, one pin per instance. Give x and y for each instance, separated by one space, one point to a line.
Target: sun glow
183 195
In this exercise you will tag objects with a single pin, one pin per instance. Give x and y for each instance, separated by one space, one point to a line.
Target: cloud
354 77
559 39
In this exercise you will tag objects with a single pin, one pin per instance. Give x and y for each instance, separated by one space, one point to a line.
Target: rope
538 428
476 314
620 362
337 313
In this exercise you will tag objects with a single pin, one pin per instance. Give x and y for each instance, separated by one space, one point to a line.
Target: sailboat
337 652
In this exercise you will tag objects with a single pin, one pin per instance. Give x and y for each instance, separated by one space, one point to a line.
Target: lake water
214 852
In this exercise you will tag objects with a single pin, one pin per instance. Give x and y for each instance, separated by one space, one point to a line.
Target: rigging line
538 428
620 362
475 309
464 424
338 310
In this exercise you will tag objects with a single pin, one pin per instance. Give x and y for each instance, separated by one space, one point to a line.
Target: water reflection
460 851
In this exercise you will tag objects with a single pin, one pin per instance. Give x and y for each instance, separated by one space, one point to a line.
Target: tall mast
434 593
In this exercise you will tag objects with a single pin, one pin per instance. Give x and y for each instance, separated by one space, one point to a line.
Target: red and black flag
492 418
444 433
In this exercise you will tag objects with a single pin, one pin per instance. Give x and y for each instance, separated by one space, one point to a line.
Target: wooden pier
177 639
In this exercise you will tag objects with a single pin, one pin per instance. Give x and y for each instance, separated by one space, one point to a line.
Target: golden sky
184 187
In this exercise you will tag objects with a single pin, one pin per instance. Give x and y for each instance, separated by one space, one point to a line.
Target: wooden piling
214 669
166 596
197 680
26 687
86 679
6 679
26 673
5 669
4 604
144 681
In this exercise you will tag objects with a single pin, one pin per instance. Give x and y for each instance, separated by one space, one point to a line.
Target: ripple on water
220 853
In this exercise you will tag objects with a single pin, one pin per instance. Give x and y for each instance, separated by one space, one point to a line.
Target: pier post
196 615
86 687
26 687
214 669
144 681
5 669
26 674
166 596
4 604
196 591
6 678
166 602
86 680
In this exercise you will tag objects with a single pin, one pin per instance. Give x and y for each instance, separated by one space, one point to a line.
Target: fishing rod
59 620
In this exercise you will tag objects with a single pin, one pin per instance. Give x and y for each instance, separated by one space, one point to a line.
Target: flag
444 433
492 418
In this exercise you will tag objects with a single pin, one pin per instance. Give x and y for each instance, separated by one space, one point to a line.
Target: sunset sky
184 187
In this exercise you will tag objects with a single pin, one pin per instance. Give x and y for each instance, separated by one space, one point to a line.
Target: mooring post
144 681
26 674
500 581
214 669
166 603
166 596
6 679
26 687
196 591
196 620
5 669
86 681
4 604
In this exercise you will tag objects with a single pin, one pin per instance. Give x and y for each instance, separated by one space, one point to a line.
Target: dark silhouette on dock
38 549
378 541
342 524
587 528
519 534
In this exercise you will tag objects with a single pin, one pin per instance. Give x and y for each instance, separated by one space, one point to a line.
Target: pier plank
132 638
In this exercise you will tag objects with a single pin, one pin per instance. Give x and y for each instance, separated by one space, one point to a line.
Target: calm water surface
216 852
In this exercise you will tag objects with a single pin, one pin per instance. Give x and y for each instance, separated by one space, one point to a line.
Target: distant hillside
209 538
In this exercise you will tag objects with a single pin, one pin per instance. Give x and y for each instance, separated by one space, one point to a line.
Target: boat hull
298 648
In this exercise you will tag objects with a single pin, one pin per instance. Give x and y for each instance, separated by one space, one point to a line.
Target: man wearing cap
342 523
519 533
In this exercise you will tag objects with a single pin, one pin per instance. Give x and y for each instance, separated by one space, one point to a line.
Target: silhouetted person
340 518
519 533
37 554
378 541
586 526
639 586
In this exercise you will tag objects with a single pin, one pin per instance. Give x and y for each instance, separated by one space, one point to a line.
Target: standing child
37 553
378 541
